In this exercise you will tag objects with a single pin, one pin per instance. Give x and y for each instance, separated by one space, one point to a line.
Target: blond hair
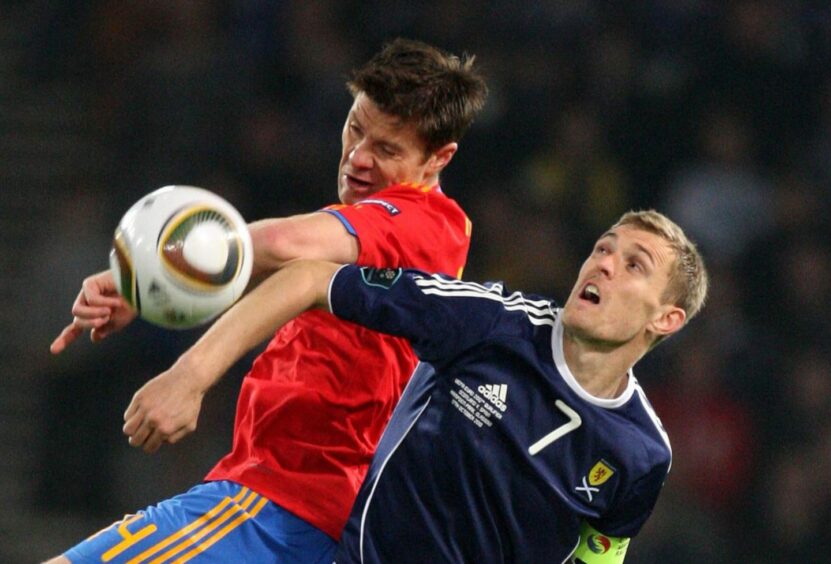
688 279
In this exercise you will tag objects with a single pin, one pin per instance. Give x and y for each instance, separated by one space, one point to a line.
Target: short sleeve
410 227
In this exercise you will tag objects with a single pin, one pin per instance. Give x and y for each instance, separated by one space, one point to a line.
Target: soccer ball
181 256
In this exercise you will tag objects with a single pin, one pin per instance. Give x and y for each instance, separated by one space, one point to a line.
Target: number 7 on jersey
574 421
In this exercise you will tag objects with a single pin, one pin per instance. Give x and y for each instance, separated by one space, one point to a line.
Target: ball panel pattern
171 249
127 274
181 256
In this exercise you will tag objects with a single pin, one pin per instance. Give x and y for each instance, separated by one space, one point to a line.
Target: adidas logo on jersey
496 394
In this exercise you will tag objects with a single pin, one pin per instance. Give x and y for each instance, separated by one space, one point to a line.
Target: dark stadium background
715 112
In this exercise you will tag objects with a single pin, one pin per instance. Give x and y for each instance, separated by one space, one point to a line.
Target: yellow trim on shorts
224 531
206 525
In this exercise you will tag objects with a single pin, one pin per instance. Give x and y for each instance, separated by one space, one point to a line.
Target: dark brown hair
437 91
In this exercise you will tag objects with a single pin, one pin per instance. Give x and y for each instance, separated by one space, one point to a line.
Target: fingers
132 420
88 317
90 323
179 435
165 409
150 439
142 433
93 309
71 332
98 303
67 336
138 437
100 290
98 297
100 333
154 442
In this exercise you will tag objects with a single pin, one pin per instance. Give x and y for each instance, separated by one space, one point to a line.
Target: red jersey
313 407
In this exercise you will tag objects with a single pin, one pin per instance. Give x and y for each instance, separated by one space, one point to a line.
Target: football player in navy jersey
523 435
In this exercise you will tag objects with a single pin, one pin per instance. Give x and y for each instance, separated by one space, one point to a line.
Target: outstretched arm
315 236
167 407
277 241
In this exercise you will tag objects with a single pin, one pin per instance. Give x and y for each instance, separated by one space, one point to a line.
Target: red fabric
313 407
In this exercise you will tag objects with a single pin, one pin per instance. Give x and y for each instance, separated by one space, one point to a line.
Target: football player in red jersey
312 408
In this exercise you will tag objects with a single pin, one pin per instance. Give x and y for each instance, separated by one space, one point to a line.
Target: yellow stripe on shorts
208 517
222 532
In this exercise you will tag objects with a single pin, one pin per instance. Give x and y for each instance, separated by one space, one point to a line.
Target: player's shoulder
653 435
401 200
495 297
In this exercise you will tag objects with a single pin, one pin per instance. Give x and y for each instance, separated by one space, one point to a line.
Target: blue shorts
212 522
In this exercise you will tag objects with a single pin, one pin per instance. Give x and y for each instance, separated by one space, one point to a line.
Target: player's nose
607 264
360 156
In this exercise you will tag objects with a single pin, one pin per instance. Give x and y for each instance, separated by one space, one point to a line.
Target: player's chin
580 324
351 195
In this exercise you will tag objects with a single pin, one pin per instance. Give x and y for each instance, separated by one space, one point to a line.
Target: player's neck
602 372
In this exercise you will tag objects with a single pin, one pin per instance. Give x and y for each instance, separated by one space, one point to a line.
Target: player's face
378 150
618 294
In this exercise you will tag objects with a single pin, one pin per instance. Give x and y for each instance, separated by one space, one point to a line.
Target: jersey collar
571 381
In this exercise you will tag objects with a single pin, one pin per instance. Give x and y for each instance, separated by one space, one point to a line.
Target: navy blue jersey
494 452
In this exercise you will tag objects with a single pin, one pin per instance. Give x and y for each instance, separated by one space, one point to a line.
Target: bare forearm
317 236
268 256
281 297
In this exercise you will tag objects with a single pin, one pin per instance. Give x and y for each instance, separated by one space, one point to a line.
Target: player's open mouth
591 293
357 183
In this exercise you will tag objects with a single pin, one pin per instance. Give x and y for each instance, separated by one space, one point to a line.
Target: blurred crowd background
717 113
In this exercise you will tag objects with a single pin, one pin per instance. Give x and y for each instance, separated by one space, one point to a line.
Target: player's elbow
275 243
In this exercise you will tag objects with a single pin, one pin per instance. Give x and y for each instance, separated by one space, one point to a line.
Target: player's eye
636 266
387 151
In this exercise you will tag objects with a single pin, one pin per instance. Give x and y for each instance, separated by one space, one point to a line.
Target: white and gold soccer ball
181 255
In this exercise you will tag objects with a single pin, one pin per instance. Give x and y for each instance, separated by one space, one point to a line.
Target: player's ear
439 158
667 320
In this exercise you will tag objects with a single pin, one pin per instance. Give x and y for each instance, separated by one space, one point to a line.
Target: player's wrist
198 368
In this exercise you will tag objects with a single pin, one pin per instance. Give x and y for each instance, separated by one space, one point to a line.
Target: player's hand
98 308
165 409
